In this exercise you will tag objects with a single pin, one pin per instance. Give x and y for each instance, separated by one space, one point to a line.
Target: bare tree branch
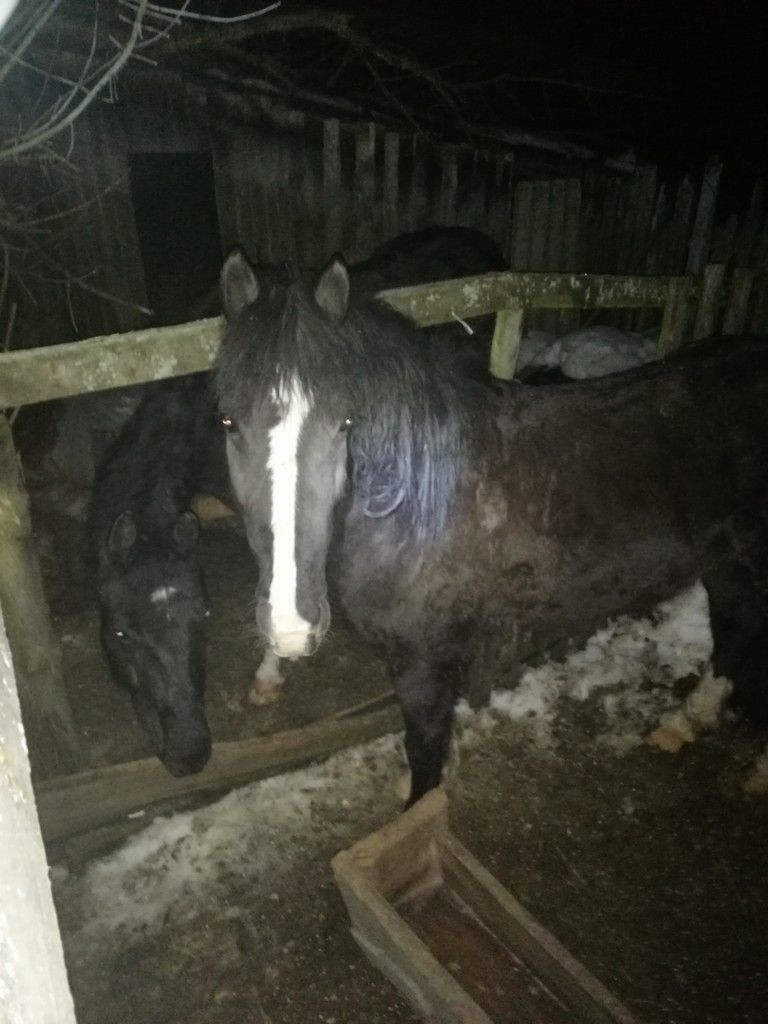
36 138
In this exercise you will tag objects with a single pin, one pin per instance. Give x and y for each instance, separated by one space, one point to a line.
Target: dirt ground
650 867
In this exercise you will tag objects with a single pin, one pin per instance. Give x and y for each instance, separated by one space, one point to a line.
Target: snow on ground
631 663
180 863
586 352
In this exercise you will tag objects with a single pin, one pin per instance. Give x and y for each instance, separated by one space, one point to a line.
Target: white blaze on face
289 632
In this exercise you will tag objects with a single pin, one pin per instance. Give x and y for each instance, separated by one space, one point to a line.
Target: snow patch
587 352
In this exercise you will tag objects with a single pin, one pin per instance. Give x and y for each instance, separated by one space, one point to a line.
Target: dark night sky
690 80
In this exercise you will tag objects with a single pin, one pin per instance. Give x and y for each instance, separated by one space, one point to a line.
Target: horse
151 592
143 532
458 514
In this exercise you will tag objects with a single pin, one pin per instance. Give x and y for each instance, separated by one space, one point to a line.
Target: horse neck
151 468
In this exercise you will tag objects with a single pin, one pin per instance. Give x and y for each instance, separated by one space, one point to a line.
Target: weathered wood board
455 943
73 804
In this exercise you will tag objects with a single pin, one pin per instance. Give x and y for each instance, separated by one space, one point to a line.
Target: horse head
286 443
153 606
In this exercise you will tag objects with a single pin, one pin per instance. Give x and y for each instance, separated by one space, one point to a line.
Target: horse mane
410 409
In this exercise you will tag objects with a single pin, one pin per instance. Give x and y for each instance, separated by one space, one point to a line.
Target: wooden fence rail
135 357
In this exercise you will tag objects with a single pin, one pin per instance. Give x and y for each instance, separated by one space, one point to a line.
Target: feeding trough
455 943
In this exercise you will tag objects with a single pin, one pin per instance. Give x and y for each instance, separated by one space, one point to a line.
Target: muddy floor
650 867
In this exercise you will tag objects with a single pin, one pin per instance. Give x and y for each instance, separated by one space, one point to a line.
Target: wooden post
33 978
506 343
391 183
419 199
332 183
709 303
748 232
521 226
365 170
675 317
701 233
36 656
679 228
568 259
737 308
449 185
475 209
758 323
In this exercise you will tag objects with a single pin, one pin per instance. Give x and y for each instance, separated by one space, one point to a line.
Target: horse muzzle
189 755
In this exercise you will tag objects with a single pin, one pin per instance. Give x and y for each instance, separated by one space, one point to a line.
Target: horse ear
239 286
332 289
122 535
186 531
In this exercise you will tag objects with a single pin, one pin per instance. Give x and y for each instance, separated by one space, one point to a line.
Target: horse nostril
187 758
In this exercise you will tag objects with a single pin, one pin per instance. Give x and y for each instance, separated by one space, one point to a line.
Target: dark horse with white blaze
461 513
143 533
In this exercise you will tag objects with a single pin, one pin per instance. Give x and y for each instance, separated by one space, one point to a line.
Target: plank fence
293 186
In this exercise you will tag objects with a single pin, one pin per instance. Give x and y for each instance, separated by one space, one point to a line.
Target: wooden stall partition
737 303
701 232
708 311
676 316
33 977
36 654
332 190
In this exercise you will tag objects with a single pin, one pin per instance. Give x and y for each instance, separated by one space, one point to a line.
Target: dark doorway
174 202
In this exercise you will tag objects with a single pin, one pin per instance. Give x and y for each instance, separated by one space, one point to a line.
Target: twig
9 327
36 22
35 138
213 19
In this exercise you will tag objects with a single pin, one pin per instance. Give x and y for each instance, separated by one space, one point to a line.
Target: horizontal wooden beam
72 804
109 361
117 360
443 301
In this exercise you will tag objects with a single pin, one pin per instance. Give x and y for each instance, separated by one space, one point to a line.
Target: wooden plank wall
294 188
301 192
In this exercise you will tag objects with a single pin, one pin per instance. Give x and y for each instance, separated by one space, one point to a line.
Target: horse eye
228 423
345 425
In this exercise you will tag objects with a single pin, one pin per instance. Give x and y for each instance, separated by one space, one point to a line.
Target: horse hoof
673 733
699 712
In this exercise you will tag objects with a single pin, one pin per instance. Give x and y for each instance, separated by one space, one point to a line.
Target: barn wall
294 187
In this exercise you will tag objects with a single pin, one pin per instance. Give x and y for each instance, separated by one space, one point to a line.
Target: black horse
142 536
461 514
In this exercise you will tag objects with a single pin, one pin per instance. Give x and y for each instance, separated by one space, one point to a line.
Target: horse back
577 503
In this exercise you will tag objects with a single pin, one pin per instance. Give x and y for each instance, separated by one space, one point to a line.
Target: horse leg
427 705
267 682
738 613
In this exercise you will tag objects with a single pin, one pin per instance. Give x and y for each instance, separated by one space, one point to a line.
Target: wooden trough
455 943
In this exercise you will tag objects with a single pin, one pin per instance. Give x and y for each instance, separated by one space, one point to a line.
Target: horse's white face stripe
162 594
289 630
